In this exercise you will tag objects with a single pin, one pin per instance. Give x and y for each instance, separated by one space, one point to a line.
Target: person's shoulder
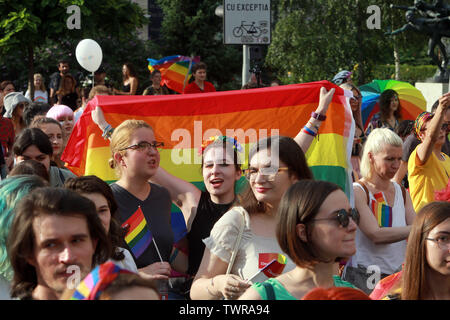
157 188
67 173
234 216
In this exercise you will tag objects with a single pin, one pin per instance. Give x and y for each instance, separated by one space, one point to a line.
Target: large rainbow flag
175 70
182 122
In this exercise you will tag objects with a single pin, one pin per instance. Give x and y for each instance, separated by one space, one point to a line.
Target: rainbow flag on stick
138 235
182 122
175 70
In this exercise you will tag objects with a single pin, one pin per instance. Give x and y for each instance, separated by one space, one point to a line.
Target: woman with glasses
315 228
135 158
426 272
360 137
389 115
386 212
249 230
428 166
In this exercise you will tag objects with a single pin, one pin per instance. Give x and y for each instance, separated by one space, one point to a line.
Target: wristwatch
318 116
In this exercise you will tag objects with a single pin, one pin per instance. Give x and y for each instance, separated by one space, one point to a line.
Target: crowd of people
69 237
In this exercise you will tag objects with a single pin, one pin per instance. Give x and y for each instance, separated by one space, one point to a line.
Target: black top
208 213
156 209
126 88
70 100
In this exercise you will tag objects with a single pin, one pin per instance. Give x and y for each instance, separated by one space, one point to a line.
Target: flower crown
236 145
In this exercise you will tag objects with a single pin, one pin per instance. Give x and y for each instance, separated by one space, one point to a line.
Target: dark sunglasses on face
343 217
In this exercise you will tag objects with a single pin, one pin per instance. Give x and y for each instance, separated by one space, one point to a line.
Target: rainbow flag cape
182 122
381 210
175 70
138 235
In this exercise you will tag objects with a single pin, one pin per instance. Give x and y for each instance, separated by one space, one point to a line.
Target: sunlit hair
12 190
62 87
98 90
30 167
121 138
58 111
300 204
42 87
414 282
377 140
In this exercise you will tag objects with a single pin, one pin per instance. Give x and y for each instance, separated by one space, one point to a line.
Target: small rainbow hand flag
175 70
381 211
138 235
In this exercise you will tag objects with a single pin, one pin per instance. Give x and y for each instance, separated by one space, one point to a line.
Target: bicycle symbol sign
247 22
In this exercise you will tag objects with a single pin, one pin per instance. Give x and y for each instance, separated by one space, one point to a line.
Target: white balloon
89 54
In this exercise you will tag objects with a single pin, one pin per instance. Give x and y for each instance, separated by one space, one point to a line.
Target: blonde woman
40 92
386 211
135 157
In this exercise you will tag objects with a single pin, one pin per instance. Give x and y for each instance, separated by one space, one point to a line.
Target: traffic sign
246 22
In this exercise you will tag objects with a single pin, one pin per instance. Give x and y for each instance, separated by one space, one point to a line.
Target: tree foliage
37 31
315 39
192 28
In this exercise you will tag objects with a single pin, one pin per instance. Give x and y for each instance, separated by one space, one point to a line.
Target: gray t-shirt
156 209
59 175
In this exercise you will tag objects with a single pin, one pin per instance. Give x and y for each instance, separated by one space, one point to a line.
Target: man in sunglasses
428 166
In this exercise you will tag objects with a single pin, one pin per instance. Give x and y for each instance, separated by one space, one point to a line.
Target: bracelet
314 126
318 116
309 131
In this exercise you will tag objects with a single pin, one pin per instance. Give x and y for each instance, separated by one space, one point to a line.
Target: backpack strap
403 194
269 290
365 189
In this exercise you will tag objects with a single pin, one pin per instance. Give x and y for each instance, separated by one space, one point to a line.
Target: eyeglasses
145 146
443 242
355 98
343 217
267 172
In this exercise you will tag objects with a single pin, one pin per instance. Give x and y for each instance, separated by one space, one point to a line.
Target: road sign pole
245 64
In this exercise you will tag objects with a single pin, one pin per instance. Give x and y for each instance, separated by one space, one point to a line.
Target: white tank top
388 257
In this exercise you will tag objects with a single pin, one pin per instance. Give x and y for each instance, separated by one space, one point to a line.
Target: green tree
192 28
27 25
314 39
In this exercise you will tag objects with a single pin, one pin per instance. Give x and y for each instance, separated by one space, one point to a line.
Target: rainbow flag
175 70
97 281
381 210
182 122
138 235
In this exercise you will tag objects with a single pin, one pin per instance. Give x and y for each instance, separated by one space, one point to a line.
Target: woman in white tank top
386 212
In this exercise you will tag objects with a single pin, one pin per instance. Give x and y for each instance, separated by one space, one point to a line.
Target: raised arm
184 194
304 139
425 149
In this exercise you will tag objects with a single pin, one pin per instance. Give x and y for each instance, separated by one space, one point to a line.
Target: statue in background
434 21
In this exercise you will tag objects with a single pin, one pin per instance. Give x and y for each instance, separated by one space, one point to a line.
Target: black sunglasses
343 217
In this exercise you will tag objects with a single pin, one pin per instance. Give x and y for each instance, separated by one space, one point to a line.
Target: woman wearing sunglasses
386 212
135 158
428 166
316 228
